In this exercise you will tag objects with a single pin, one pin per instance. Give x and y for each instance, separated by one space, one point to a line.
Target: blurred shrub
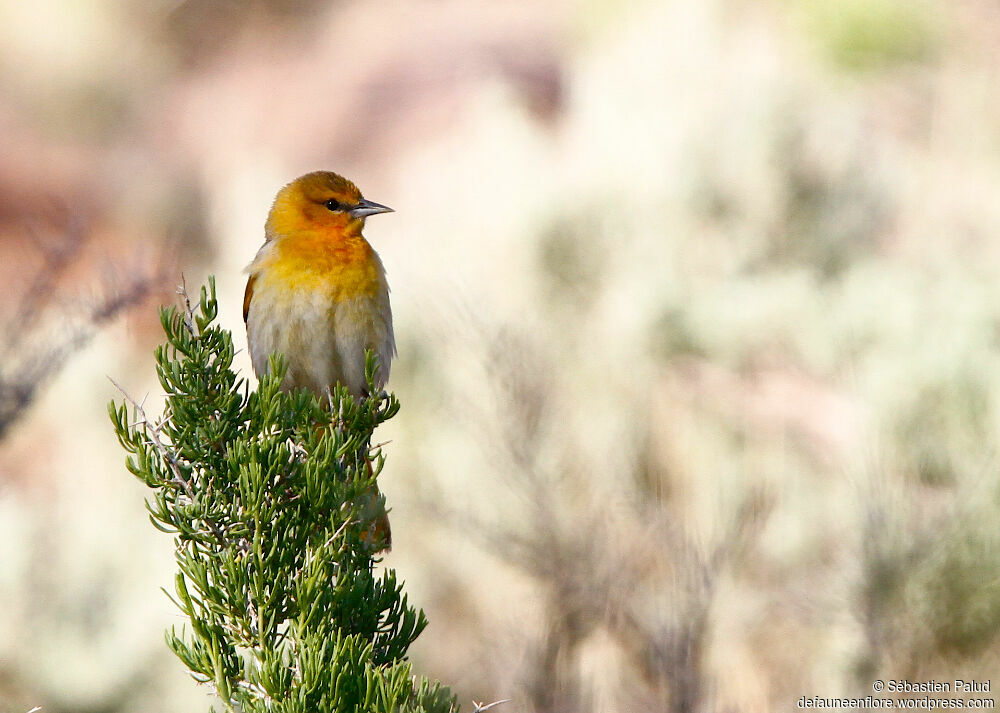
861 35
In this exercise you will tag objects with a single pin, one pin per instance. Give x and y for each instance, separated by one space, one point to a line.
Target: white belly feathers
330 339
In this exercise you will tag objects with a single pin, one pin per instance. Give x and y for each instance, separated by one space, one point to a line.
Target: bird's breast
341 269
322 306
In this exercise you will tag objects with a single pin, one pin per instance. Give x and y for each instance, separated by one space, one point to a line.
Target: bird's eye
334 204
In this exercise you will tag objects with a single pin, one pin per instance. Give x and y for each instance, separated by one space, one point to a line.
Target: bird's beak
365 208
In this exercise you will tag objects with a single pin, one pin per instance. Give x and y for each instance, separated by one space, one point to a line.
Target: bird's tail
378 534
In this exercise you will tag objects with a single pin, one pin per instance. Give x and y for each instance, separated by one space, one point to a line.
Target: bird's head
321 200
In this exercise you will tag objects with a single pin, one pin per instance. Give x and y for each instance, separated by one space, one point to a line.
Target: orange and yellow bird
317 292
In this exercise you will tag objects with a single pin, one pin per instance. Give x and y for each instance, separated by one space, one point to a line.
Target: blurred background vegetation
698 314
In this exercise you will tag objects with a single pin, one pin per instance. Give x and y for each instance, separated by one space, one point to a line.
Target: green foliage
861 35
269 498
961 590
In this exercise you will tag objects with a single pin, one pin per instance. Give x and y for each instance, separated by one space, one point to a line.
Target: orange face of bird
320 201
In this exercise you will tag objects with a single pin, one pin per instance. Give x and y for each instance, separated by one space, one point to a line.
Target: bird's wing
248 296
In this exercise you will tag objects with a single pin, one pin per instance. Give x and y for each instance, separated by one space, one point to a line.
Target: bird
318 295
